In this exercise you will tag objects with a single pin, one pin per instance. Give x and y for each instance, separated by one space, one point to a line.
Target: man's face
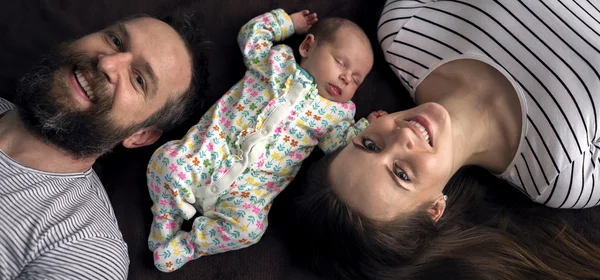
91 94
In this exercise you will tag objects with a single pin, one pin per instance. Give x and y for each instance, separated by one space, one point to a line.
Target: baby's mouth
334 90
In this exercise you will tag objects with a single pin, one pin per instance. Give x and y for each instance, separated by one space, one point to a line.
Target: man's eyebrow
147 68
124 32
153 78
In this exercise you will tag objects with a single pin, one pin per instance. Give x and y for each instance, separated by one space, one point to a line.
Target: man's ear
307 45
437 208
143 137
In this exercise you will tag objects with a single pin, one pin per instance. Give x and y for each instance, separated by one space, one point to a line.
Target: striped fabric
548 49
56 226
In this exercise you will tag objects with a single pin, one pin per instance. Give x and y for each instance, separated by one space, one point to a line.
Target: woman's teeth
423 131
84 84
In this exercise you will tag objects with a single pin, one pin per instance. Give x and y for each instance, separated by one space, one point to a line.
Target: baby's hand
375 115
303 20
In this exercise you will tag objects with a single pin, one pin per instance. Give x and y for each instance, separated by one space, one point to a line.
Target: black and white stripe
549 50
56 226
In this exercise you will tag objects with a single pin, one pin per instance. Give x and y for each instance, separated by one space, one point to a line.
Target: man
123 85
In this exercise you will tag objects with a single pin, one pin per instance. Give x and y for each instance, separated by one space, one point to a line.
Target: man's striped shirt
56 226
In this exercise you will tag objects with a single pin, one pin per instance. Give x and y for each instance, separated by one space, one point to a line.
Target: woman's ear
436 210
143 137
307 45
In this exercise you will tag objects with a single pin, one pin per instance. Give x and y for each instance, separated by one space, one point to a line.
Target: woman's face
399 162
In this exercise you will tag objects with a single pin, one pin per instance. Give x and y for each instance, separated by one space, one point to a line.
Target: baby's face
340 65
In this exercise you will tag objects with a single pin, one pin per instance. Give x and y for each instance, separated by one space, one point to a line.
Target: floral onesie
244 151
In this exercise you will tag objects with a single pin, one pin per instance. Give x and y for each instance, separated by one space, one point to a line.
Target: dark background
29 28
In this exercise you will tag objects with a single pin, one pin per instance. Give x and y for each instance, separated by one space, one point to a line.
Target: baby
249 145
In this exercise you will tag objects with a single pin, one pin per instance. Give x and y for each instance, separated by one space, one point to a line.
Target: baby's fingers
311 19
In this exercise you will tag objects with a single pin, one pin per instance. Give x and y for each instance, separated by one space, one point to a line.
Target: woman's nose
404 138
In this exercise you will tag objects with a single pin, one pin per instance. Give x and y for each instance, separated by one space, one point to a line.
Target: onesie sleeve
344 128
256 37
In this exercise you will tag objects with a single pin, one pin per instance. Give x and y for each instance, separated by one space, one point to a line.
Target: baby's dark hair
476 238
325 28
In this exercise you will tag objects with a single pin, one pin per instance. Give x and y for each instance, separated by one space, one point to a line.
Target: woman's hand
375 115
303 20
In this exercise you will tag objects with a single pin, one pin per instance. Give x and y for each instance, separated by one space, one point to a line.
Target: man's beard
48 108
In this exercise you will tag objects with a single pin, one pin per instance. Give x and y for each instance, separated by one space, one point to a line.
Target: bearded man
126 84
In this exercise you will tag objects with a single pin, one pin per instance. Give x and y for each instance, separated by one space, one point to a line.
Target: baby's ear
307 45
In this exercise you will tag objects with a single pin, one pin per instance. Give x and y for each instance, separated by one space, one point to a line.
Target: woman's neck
484 108
29 150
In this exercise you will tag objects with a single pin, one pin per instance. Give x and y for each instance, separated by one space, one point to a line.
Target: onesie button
289 103
264 132
238 157
214 189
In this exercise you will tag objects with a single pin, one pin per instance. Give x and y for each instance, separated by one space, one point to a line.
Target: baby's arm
238 221
345 129
257 36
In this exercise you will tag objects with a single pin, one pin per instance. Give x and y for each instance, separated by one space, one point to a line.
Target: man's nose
114 65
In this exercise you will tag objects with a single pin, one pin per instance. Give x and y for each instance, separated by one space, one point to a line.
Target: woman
509 86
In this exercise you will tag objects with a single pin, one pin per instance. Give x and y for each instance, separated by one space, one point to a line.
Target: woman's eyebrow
360 146
395 179
388 170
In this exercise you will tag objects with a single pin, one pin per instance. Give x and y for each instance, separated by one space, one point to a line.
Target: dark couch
29 28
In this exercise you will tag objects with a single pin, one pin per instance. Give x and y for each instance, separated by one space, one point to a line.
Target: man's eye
401 174
370 145
139 80
116 41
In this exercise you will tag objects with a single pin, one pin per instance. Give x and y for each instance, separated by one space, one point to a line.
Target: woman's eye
139 80
401 174
370 145
116 41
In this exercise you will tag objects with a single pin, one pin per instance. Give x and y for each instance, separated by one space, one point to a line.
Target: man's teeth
84 84
423 130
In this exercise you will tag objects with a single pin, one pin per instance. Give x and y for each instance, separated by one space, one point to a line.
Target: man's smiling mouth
84 84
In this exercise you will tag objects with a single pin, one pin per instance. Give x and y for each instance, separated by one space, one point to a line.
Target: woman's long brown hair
476 238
